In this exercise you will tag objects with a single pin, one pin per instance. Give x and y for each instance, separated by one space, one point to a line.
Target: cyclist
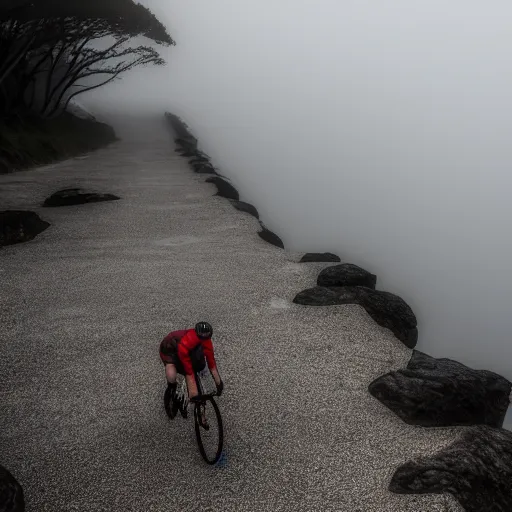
184 352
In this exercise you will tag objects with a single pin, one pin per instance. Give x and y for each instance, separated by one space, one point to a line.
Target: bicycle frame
183 392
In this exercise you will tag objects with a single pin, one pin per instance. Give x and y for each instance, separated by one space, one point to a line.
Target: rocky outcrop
74 196
199 161
202 155
386 309
326 257
269 236
18 226
184 136
11 493
201 164
477 470
246 207
224 189
187 153
346 274
206 168
441 392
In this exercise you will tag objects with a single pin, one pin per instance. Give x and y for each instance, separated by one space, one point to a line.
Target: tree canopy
48 47
124 16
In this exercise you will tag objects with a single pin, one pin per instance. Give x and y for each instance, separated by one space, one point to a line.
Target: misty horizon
377 132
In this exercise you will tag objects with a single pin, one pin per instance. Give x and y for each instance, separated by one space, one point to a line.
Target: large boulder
224 189
11 493
74 196
476 469
269 236
346 274
246 207
386 309
392 312
324 296
442 392
18 226
326 257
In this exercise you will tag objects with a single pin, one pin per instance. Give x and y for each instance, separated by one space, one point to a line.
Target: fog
380 131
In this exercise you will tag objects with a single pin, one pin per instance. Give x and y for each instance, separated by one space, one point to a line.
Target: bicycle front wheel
209 430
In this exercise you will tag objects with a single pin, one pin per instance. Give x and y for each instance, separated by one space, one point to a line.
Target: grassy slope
30 141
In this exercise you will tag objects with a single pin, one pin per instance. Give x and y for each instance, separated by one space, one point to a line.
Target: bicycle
205 408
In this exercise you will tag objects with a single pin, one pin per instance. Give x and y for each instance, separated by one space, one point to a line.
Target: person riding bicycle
184 352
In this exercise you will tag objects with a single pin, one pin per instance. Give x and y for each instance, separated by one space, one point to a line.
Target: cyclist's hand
220 388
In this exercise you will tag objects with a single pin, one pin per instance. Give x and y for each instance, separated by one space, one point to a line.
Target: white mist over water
381 131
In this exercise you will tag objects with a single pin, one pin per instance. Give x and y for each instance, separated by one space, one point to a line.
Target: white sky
377 130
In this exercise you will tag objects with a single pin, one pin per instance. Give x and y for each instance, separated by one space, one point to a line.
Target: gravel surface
84 306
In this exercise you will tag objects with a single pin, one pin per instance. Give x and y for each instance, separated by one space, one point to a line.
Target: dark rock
18 226
74 196
202 156
324 296
392 312
441 392
224 189
204 169
269 236
346 274
180 128
11 493
246 207
219 174
386 309
319 257
187 143
199 161
187 154
476 470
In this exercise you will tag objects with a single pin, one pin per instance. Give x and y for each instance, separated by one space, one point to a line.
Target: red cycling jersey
189 341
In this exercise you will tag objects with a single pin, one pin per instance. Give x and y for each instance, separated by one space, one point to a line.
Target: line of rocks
349 284
430 392
17 226
201 164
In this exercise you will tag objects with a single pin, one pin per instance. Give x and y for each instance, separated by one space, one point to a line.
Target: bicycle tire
198 428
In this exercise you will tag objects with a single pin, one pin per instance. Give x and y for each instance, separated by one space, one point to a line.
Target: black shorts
169 355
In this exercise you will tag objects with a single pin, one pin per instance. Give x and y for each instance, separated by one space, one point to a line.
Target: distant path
84 306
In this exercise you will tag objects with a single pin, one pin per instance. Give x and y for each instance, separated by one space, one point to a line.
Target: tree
48 47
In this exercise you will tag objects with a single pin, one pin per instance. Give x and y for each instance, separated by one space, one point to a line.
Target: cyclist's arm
183 354
209 354
210 359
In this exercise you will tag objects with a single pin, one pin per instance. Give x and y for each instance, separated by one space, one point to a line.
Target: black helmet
204 330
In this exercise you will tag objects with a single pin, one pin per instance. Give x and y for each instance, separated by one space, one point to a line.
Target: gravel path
84 306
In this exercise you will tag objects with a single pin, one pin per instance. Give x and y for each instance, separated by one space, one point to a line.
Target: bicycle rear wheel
210 441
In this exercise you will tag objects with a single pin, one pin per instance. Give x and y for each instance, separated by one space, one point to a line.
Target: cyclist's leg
202 412
170 373
170 392
180 404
